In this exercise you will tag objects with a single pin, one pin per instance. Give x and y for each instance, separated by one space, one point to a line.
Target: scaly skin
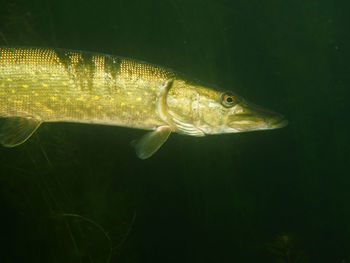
58 85
55 85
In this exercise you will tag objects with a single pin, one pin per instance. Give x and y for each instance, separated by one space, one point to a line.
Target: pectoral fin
151 142
15 131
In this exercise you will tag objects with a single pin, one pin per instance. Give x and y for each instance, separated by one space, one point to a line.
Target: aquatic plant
285 250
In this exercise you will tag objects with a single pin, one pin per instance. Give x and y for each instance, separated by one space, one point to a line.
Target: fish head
210 111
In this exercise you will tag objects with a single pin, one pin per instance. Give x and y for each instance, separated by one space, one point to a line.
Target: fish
39 85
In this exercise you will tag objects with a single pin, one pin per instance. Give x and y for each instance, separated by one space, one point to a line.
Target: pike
40 85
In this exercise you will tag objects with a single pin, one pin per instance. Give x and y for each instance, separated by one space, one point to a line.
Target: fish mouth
250 117
278 122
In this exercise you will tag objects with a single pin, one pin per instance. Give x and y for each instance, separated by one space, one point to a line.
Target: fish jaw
246 117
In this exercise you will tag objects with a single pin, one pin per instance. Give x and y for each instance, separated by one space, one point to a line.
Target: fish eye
228 99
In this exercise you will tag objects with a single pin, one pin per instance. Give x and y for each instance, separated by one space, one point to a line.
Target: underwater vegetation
55 210
285 250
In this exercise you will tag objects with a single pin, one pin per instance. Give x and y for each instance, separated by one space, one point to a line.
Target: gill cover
150 143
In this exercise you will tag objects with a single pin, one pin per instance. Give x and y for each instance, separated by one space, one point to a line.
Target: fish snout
250 117
276 121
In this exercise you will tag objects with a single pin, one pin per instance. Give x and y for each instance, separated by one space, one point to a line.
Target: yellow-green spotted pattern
51 85
61 85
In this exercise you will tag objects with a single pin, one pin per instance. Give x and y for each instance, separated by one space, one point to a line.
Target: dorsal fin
16 130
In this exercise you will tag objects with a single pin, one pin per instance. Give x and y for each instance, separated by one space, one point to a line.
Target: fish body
59 85
54 85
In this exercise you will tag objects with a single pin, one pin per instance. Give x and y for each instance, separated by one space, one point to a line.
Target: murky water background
77 193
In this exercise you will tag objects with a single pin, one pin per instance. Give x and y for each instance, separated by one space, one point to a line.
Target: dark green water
77 193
